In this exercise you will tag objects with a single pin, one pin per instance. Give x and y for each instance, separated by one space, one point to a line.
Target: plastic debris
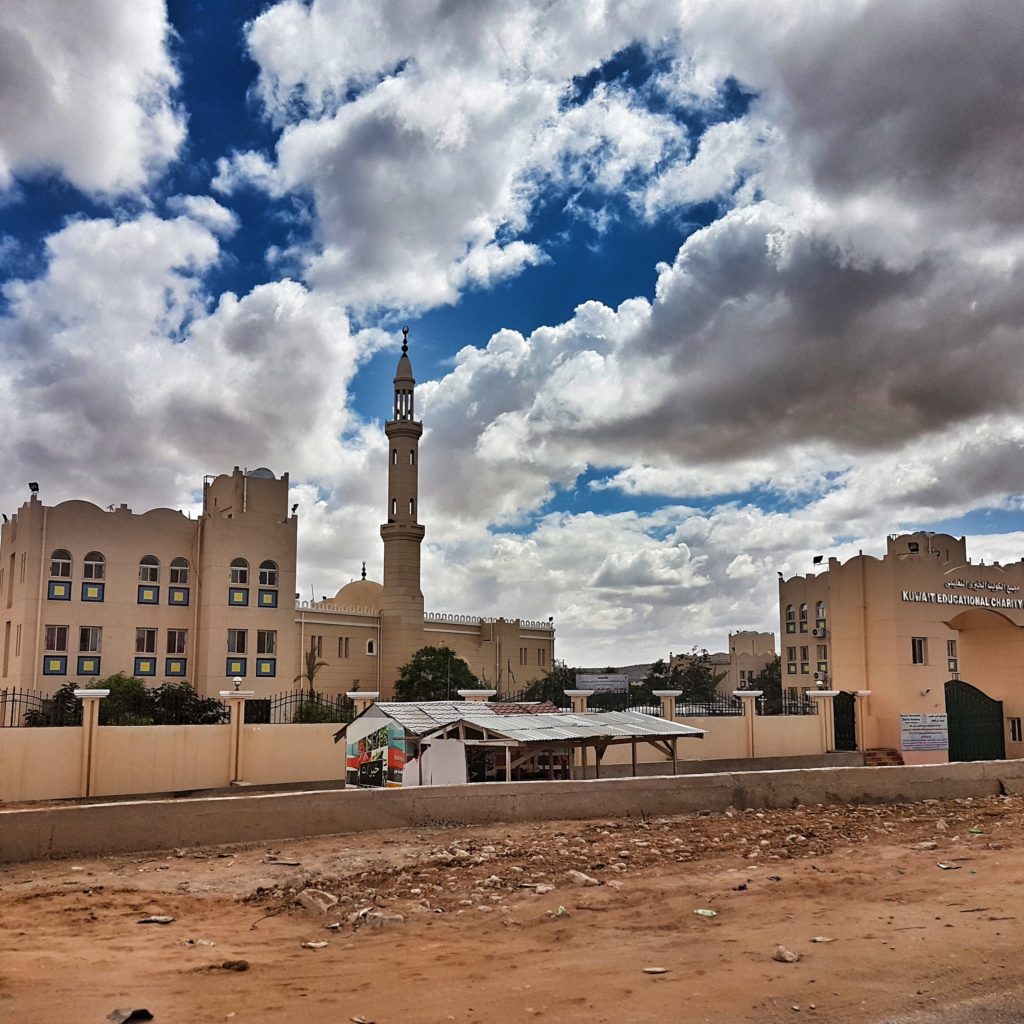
785 956
655 970
948 867
704 912
124 1016
822 938
318 944
156 919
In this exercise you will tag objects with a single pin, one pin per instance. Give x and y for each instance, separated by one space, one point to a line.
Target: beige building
749 653
87 592
919 633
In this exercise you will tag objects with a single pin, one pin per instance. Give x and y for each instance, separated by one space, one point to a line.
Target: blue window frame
268 599
175 667
88 665
238 597
178 596
266 666
55 665
145 666
148 594
236 667
93 591
58 590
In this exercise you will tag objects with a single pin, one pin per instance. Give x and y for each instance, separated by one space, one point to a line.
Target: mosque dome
360 594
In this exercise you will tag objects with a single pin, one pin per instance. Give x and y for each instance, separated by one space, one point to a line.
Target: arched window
819 610
179 572
412 506
412 457
394 506
149 569
268 574
789 613
94 566
60 564
803 613
394 456
371 647
240 572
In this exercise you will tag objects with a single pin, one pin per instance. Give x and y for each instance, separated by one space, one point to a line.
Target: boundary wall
134 826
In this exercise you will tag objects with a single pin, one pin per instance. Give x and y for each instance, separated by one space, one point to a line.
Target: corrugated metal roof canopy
421 717
607 726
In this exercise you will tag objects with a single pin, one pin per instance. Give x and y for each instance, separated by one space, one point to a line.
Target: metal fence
786 706
299 707
708 708
20 708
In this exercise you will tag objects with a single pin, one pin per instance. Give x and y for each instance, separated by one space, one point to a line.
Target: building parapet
327 606
473 620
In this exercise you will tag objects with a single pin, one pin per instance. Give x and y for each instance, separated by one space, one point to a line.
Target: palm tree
313 665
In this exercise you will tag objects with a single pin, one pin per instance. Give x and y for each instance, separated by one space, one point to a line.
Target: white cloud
206 211
87 93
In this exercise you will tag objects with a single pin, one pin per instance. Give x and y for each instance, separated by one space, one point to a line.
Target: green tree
180 704
695 678
552 687
63 708
769 679
129 701
434 673
311 665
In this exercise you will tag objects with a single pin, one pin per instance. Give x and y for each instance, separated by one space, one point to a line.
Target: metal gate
845 720
975 724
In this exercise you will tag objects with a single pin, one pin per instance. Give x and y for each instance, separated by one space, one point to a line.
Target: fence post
861 705
578 699
668 703
90 725
235 700
362 699
749 699
482 695
827 716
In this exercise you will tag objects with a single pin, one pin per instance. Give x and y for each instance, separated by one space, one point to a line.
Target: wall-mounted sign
924 732
996 586
972 600
603 684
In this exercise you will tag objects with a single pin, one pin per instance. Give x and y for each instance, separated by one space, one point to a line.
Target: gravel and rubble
847 913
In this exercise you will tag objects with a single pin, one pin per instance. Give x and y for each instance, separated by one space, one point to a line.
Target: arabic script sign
994 586
924 732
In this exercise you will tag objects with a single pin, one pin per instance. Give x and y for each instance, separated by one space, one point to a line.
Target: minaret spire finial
405 341
364 570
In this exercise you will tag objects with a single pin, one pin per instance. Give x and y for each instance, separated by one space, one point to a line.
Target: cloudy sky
697 289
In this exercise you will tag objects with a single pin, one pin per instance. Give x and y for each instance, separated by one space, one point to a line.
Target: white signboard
603 684
924 732
970 600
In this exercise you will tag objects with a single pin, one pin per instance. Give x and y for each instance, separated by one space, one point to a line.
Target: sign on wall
924 732
603 684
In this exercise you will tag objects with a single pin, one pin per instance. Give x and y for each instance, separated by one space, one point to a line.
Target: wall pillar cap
237 694
667 693
370 695
748 693
476 694
822 693
578 693
862 693
91 693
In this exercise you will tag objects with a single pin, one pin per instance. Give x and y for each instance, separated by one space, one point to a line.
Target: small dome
262 473
360 594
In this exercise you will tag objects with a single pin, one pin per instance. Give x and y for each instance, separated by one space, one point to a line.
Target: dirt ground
486 924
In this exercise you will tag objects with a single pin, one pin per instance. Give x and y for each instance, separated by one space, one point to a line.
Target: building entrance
844 710
975 724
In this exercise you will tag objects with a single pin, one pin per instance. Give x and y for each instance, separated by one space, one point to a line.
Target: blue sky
696 290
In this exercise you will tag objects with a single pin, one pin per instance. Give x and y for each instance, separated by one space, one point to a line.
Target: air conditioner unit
818 631
819 675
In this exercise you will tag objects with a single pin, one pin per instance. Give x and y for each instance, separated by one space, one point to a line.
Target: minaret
402 600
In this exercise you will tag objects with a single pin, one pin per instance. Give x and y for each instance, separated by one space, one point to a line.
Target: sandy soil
483 939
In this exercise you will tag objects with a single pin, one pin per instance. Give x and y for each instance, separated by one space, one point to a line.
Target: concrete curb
135 826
